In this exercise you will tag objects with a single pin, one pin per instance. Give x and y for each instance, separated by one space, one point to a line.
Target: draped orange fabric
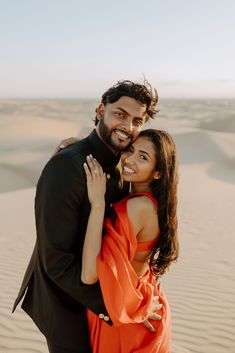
128 298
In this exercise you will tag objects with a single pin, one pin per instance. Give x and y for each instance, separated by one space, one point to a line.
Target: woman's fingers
95 167
91 166
96 182
98 168
87 172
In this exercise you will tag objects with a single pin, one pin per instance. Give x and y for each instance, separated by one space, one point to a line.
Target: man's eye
138 122
119 114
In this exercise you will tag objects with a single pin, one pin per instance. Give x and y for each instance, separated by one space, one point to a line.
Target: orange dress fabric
128 298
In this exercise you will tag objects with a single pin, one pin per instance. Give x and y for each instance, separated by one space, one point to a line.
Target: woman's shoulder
141 210
140 202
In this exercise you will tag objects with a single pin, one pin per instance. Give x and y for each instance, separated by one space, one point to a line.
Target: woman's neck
139 187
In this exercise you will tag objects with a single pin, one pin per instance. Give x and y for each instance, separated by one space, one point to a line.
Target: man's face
120 122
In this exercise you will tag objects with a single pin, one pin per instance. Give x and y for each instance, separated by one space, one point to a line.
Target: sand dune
200 286
17 332
226 124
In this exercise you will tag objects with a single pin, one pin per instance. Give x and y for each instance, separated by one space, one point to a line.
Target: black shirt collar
101 152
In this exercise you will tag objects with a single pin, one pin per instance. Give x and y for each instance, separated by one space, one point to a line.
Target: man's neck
115 152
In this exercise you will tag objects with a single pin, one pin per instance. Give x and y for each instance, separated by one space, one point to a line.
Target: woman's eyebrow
141 151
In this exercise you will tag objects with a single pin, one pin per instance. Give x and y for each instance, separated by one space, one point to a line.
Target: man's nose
128 125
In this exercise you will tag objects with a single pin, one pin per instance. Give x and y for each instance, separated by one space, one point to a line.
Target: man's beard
106 135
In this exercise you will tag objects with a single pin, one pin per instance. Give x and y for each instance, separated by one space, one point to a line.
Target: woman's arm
96 186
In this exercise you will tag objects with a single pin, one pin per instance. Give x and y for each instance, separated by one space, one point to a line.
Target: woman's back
142 213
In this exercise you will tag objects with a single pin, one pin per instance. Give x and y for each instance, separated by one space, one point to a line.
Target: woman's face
138 162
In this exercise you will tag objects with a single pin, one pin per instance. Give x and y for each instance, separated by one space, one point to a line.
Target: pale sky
68 48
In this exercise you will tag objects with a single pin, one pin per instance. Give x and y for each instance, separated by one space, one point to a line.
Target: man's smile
122 134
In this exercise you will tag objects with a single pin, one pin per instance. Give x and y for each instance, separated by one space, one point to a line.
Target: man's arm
65 143
58 203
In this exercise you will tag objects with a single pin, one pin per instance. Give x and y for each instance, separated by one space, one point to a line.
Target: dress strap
147 245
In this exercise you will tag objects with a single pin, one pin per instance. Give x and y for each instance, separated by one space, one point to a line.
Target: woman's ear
157 175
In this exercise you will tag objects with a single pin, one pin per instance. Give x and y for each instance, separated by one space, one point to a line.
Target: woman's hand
65 143
96 182
96 186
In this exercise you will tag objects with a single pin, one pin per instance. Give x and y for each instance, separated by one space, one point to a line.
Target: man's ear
100 111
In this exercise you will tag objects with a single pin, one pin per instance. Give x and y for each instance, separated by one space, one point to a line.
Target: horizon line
97 98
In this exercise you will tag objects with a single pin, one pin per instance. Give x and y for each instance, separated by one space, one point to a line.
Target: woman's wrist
99 205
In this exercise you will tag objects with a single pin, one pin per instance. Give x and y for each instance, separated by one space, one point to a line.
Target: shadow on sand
199 147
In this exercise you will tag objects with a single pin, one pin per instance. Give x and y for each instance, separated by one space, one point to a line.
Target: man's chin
120 145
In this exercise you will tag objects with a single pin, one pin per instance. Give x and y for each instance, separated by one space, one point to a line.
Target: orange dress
128 298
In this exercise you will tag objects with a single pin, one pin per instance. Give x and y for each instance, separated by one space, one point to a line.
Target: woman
138 245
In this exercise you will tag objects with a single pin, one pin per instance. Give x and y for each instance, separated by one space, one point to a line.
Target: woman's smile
127 170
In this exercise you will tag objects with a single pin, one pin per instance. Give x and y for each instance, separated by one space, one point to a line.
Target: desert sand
200 286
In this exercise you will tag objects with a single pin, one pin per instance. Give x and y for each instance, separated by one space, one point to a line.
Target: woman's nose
130 159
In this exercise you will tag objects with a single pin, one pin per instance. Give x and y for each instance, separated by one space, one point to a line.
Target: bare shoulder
141 211
140 203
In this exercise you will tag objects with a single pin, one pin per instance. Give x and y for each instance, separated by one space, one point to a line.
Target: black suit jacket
55 298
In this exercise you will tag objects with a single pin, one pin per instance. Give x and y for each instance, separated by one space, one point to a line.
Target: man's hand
156 306
153 315
65 143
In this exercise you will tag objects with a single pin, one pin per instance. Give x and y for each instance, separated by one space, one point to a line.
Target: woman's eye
142 156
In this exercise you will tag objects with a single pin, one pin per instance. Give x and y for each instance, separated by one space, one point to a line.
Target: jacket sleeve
58 203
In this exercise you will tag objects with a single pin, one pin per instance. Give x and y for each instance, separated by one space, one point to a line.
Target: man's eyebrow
123 110
126 112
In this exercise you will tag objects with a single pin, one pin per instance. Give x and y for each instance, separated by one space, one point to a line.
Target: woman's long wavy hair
164 190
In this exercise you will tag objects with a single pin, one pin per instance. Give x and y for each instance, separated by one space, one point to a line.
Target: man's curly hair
143 93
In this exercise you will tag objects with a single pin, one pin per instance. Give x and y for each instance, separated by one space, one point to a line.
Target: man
56 299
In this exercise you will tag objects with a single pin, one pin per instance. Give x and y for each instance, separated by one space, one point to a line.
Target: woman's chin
127 178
